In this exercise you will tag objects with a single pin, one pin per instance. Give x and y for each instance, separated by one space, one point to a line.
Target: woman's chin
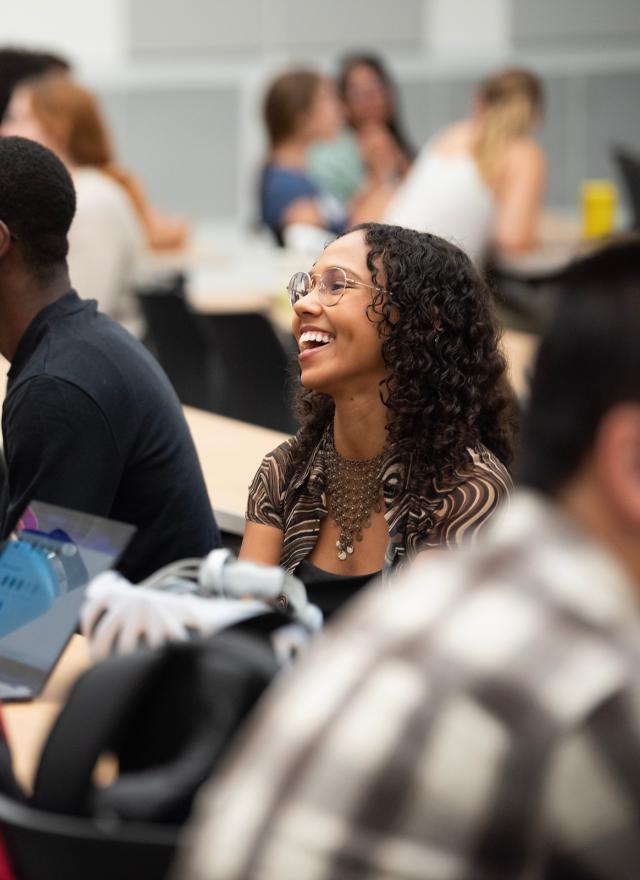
315 382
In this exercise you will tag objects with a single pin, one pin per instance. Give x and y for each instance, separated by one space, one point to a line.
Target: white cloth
445 195
106 241
118 617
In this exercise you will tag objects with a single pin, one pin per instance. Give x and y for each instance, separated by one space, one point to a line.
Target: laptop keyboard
13 687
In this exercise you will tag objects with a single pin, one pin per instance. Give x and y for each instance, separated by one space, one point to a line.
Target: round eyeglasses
331 285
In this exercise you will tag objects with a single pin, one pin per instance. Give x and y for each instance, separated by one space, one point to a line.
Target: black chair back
168 716
181 341
45 846
628 164
256 371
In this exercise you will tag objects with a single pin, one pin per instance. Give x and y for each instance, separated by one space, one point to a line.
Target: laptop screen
43 576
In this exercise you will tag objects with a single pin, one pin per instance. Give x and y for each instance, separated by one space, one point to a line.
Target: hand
166 233
118 617
380 153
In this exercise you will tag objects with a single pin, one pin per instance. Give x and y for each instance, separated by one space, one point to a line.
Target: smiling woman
405 411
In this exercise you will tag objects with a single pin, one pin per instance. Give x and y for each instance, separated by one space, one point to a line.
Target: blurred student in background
301 108
480 182
16 65
114 222
373 145
74 114
106 239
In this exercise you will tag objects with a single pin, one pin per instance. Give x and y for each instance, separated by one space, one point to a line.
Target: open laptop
43 576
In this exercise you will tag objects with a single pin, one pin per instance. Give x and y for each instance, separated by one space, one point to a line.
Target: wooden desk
209 244
230 453
228 270
560 241
28 724
249 281
543 260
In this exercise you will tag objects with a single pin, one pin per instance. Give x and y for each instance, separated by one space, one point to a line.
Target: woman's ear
304 122
617 457
5 239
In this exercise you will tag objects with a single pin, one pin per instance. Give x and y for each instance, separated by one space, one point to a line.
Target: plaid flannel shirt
479 718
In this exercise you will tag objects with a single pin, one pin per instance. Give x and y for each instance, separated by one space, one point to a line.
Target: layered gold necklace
353 486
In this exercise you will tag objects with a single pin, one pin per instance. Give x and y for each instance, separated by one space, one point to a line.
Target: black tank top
327 590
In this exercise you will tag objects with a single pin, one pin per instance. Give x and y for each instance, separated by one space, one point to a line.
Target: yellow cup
599 200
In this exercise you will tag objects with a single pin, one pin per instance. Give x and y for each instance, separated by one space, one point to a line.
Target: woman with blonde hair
480 182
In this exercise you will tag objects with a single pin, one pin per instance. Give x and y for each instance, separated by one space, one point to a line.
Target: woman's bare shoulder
456 138
522 152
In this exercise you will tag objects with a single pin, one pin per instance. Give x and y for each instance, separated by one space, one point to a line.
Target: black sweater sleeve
59 448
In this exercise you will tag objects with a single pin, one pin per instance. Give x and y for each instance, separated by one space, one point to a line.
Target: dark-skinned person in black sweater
90 421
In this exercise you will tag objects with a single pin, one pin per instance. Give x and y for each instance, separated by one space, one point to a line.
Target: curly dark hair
37 202
447 388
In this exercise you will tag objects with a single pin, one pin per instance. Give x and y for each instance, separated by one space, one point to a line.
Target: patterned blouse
294 500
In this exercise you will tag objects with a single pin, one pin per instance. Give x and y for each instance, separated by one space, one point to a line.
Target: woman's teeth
309 337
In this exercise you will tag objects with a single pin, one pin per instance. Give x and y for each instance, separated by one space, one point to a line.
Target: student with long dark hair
373 145
405 413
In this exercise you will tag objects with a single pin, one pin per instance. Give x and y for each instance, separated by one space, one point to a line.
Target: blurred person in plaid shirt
480 718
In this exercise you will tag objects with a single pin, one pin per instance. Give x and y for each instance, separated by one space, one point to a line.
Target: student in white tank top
445 194
480 182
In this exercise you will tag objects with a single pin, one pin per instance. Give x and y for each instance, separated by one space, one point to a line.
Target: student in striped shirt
405 414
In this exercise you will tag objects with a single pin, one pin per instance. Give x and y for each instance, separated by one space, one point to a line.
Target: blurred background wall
182 80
